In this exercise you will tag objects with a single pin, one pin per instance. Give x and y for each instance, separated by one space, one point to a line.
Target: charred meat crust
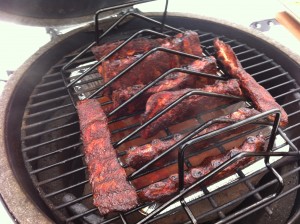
138 155
261 98
111 191
133 47
162 189
186 108
153 65
174 81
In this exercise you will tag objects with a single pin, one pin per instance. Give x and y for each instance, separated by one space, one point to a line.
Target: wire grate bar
291 127
56 164
265 70
66 97
188 211
51 75
45 93
295 139
258 64
294 113
241 198
111 219
251 187
291 102
50 141
287 93
49 131
65 189
259 207
54 152
56 82
238 46
36 124
250 58
122 218
202 35
213 202
220 37
76 62
73 201
82 214
245 52
274 77
46 111
291 144
282 84
128 127
61 176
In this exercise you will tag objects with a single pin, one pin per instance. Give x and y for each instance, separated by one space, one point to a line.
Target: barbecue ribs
139 155
162 189
152 66
261 98
186 108
111 191
133 47
174 81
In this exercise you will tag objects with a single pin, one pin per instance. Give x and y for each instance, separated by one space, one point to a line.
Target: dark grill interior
51 145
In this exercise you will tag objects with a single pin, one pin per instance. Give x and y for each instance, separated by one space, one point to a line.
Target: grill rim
12 190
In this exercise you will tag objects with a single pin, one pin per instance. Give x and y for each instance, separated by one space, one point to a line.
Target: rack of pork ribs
187 94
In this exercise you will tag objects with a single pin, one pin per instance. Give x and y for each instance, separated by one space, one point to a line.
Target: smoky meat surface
162 189
133 47
174 81
111 191
138 155
190 106
153 65
260 97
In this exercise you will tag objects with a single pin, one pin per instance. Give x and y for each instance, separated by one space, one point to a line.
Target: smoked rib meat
186 108
138 155
152 66
261 98
167 187
173 81
133 47
111 191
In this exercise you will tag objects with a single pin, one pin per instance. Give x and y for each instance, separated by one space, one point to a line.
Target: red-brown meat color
186 108
261 98
138 155
159 190
111 191
174 81
152 66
